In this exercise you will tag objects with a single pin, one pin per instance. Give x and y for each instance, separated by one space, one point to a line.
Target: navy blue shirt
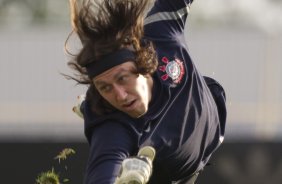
186 118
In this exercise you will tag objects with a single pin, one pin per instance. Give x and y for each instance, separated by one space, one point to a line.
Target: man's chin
137 114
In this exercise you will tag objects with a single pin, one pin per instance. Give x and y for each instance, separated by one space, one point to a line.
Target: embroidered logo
173 69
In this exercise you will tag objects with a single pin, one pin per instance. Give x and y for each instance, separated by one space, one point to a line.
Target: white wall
36 101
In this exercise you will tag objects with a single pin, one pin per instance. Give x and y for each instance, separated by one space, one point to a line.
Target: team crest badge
172 69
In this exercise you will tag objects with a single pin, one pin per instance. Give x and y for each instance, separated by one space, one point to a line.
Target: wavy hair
104 27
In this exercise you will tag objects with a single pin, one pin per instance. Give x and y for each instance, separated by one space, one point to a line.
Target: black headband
111 60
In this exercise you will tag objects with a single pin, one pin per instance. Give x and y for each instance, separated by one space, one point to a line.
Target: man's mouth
130 105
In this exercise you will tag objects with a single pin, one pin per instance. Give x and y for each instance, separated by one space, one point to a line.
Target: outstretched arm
167 18
107 152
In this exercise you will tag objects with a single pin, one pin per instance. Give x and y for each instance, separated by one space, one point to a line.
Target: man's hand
134 170
137 170
76 109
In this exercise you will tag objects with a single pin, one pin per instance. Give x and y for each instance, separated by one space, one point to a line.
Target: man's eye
123 78
105 88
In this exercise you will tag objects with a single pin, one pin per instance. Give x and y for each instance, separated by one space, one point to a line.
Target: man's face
124 89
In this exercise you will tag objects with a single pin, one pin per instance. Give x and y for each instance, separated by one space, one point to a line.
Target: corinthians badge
173 69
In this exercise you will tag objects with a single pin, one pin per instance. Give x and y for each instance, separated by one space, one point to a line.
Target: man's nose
121 93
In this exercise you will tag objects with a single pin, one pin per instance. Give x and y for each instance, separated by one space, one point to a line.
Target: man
144 90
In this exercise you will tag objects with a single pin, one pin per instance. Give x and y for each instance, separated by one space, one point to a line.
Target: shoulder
110 127
111 132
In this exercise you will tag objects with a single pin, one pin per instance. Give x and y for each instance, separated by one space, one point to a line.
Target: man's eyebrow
119 72
100 83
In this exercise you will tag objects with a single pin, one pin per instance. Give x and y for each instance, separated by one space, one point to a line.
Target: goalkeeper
143 90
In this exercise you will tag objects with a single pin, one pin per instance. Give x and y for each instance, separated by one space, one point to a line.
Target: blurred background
236 42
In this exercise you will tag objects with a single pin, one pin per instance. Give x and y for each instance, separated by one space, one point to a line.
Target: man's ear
148 76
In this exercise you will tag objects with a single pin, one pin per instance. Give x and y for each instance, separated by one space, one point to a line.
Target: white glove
137 170
76 109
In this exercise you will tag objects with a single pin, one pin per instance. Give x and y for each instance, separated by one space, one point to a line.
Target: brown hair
103 27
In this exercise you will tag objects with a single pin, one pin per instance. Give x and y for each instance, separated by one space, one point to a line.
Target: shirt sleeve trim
164 16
